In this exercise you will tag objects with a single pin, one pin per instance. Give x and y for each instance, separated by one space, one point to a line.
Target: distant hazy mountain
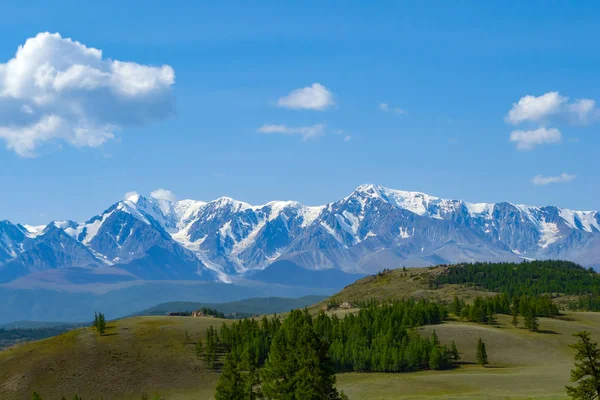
226 240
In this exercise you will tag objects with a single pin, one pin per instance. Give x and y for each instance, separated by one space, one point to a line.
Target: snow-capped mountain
371 229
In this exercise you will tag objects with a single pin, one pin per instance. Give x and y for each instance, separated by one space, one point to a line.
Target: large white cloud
540 180
528 139
57 89
315 97
306 132
541 108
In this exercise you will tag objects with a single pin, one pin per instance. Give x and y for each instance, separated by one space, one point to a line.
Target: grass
141 355
523 365
399 284
149 355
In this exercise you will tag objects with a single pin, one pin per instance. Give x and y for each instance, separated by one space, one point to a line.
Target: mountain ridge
371 229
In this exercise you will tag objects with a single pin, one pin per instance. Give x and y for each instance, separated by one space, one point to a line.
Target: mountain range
227 240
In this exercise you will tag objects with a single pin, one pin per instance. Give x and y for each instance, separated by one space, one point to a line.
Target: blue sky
455 71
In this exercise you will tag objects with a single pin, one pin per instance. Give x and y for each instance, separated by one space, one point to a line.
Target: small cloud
129 195
532 108
306 132
541 108
163 194
452 140
527 140
385 107
583 110
315 97
540 180
347 138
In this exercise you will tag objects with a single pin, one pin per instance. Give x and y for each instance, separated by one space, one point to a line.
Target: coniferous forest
379 338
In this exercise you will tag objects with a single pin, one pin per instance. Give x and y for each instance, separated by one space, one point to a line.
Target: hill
567 282
148 355
242 308
141 355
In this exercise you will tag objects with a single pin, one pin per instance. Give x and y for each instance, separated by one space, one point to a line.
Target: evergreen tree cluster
378 338
530 278
99 323
483 309
585 303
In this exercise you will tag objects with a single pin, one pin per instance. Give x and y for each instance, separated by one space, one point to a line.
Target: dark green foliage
210 349
99 323
481 353
587 369
530 278
585 303
453 355
230 385
483 309
379 337
36 396
298 366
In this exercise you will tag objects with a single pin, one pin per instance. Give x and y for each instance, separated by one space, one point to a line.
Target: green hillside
150 355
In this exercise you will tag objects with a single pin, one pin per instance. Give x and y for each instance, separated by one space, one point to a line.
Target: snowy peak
374 227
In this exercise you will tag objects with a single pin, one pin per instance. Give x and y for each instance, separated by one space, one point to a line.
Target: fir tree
230 385
454 354
298 366
481 353
456 306
100 323
531 321
587 369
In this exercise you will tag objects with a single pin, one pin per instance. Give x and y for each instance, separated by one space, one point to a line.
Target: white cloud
163 194
541 108
583 109
307 132
315 97
540 180
527 140
385 107
347 138
130 194
532 108
56 89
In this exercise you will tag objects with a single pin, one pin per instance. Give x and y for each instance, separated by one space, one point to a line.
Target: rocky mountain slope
225 239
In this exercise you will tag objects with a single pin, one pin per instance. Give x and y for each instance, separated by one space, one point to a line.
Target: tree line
530 278
267 357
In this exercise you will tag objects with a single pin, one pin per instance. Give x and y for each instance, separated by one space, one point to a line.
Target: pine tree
456 306
435 358
454 355
230 385
531 321
434 338
587 369
298 366
481 354
99 323
515 317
